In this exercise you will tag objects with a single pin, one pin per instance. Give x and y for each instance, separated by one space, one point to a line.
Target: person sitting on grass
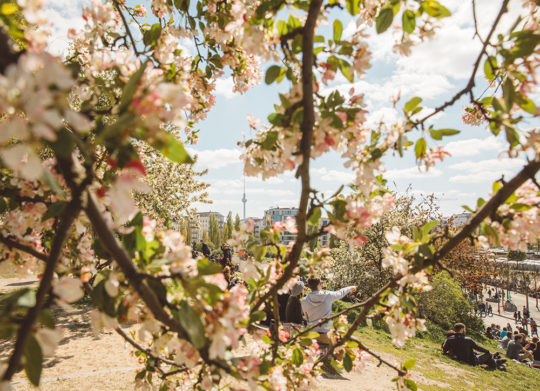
463 348
317 305
516 351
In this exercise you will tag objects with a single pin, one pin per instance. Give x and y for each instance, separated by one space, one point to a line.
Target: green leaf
347 362
8 9
315 216
410 384
407 366
206 267
191 322
297 357
420 147
257 316
508 93
435 134
384 20
409 21
345 69
428 227
55 210
271 74
130 88
338 29
175 151
33 360
512 135
435 9
449 132
47 319
490 68
519 207
526 104
412 103
480 202
353 6
270 140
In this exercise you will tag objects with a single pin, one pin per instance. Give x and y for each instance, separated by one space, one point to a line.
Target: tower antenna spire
244 199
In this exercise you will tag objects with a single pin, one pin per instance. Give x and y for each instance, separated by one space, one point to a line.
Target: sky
435 71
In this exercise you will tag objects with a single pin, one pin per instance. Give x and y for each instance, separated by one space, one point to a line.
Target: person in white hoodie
317 305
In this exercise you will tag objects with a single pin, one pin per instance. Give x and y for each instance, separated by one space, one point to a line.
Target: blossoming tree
72 130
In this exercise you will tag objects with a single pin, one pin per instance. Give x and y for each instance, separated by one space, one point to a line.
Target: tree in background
237 223
446 304
472 266
214 232
230 226
173 187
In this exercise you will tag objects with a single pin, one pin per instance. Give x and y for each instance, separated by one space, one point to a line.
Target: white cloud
332 175
473 146
411 173
224 87
216 158
63 15
485 170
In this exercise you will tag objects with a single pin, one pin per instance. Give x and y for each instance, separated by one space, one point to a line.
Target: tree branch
305 148
381 360
10 243
72 211
471 82
123 260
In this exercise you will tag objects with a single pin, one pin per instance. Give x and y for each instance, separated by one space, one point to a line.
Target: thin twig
10 243
471 82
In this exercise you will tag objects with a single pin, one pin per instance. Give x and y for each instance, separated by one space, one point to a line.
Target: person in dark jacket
227 255
293 311
463 348
205 249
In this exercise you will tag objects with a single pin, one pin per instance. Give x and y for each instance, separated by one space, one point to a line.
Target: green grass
436 372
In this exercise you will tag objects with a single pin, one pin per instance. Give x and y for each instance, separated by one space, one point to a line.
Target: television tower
244 199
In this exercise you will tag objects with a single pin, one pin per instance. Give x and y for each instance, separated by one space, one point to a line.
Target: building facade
277 214
201 224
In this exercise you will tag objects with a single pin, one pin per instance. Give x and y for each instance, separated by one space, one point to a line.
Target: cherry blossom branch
126 25
400 371
148 352
123 260
71 213
527 172
27 249
471 82
305 148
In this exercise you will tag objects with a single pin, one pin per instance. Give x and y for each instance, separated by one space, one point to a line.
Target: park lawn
434 371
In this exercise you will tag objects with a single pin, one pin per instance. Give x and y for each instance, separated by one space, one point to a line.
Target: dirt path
85 361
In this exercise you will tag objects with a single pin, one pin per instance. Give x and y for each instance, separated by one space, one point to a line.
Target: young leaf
271 74
384 20
410 384
490 68
33 360
297 357
338 29
315 216
412 103
408 364
347 362
130 88
175 151
409 21
449 132
420 147
191 322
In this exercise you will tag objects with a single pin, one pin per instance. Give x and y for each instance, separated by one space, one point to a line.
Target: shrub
446 304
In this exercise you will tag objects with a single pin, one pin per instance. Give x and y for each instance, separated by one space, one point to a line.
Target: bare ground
86 361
